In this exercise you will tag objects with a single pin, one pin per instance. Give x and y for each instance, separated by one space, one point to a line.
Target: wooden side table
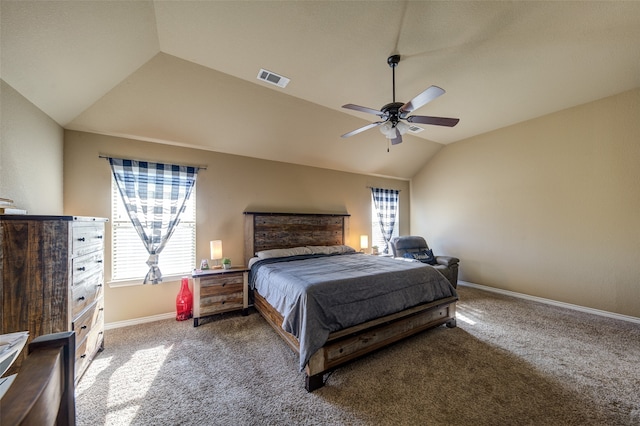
220 290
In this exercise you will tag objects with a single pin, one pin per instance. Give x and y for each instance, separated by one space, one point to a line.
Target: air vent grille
273 78
415 129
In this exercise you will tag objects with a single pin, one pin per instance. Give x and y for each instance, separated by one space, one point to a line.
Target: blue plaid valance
154 195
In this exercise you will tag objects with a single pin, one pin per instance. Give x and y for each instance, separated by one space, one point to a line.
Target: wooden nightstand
220 290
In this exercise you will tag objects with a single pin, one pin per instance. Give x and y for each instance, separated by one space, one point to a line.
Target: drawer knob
81 239
83 327
224 301
100 261
82 268
99 285
83 356
223 284
99 237
81 298
101 309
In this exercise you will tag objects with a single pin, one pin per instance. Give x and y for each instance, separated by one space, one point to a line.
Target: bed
299 247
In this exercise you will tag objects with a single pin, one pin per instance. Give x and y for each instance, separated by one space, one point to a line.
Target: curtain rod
371 187
106 157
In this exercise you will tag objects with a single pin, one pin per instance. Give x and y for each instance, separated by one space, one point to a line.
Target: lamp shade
364 241
216 249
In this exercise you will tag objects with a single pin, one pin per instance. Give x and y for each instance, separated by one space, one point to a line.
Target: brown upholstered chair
446 265
43 392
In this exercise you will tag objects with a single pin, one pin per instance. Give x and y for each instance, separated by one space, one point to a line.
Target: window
376 234
128 254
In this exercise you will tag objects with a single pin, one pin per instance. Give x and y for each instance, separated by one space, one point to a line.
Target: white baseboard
607 314
169 315
136 321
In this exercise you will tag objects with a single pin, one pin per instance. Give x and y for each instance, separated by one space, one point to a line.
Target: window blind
128 254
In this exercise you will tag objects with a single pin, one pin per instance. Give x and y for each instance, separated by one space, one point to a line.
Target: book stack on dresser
7 207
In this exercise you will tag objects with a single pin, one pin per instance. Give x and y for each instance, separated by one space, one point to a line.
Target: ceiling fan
392 114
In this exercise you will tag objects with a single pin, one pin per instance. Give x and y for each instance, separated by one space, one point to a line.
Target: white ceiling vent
415 129
273 78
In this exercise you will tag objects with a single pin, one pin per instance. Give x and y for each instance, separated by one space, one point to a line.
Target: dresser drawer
86 292
94 315
95 339
84 267
87 349
82 358
87 237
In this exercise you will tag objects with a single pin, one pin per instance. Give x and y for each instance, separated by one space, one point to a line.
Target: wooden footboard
351 343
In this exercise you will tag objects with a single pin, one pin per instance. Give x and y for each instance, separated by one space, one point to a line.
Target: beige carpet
509 362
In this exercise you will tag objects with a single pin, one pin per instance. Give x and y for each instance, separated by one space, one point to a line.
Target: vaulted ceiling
184 73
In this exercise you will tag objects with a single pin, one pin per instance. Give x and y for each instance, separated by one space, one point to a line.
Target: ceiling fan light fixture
387 130
402 127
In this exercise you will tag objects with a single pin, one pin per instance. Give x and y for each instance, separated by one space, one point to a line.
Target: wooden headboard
265 231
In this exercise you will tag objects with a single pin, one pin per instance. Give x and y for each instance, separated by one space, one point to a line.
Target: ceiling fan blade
422 99
436 121
363 109
398 137
362 129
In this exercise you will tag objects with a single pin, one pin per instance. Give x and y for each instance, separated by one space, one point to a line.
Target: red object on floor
184 301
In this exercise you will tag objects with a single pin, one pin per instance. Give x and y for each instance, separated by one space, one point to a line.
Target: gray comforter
317 295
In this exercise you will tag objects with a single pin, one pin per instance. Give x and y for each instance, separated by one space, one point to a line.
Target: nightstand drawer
222 280
221 302
221 293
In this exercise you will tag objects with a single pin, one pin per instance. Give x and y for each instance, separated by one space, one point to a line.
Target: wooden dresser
52 280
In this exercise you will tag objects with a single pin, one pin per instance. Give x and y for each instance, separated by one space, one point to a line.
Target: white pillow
285 252
340 249
348 249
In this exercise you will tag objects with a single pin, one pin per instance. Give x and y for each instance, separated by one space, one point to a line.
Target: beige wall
549 207
31 146
230 185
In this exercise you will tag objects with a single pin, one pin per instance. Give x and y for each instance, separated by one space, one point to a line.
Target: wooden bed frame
264 231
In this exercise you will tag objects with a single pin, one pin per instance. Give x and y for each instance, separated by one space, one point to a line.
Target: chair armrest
43 391
447 260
